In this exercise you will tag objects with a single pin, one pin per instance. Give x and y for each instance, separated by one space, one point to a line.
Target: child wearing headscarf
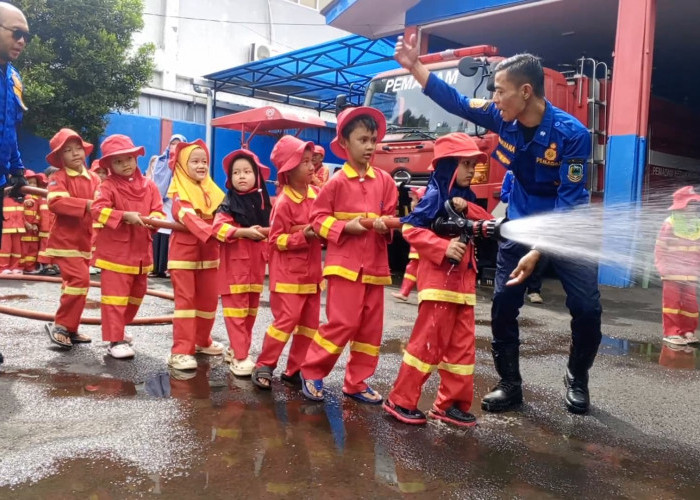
193 259
244 211
677 258
409 276
72 190
124 250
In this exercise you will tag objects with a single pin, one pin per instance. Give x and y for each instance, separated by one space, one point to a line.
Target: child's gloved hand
133 218
456 249
354 227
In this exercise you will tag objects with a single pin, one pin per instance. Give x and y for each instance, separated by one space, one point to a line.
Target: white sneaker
6 271
243 367
215 349
128 338
182 362
120 350
535 298
95 270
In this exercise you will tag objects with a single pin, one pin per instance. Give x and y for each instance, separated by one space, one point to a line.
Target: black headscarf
251 208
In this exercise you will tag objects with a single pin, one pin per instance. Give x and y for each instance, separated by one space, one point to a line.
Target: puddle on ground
681 357
277 444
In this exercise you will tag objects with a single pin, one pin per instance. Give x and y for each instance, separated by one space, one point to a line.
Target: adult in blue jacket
546 149
14 35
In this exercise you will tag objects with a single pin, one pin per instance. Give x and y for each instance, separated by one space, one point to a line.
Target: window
313 4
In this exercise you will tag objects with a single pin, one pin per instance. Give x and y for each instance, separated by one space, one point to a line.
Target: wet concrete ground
80 424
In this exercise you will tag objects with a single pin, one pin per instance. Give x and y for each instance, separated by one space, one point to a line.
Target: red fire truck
414 121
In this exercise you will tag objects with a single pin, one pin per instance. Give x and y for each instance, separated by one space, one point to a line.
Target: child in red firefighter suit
46 219
295 264
443 335
356 266
72 190
102 173
409 276
677 257
32 218
193 258
13 229
245 210
321 172
124 251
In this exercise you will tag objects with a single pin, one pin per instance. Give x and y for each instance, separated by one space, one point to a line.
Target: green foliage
81 65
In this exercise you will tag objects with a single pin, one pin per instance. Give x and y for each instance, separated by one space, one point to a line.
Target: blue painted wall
146 132
429 10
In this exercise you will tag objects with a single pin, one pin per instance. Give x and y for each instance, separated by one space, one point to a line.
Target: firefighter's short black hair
365 120
522 69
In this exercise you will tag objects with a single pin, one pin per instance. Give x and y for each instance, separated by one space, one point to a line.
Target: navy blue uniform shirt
11 112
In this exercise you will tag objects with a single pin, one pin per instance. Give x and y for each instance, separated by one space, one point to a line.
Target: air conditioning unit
259 51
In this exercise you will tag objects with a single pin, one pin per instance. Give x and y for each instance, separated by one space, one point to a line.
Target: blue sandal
318 386
360 396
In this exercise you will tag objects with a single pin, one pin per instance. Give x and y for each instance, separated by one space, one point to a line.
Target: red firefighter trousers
442 339
240 311
75 273
409 277
195 308
680 307
122 295
355 313
297 315
11 251
30 251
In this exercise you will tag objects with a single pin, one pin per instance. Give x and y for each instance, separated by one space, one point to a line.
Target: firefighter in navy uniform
14 35
546 148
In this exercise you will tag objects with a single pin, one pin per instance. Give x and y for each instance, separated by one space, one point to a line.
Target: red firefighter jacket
69 193
345 197
295 263
125 248
32 216
14 217
242 268
196 249
436 280
676 258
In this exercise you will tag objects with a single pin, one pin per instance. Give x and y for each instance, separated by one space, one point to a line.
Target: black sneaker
411 417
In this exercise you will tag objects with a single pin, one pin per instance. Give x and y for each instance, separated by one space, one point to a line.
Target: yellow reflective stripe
97 225
406 227
376 280
113 300
306 331
413 255
13 230
352 215
668 310
410 277
193 264
121 268
278 334
372 350
228 433
326 226
447 296
296 288
183 211
10 255
43 206
679 277
327 344
247 288
206 314
43 235
62 252
29 238
253 311
282 242
58 194
71 290
13 209
29 212
135 301
185 313
223 231
234 312
104 215
341 271
416 363
456 369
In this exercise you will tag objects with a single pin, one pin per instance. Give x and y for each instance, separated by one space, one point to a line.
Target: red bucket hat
288 152
59 140
349 115
683 196
318 150
227 163
96 166
115 145
456 145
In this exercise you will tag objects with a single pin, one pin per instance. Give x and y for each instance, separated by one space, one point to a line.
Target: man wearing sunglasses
14 35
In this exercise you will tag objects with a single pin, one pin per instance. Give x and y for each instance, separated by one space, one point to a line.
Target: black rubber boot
508 393
576 378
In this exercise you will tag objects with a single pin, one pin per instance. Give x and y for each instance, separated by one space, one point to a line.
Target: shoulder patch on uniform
575 173
476 103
